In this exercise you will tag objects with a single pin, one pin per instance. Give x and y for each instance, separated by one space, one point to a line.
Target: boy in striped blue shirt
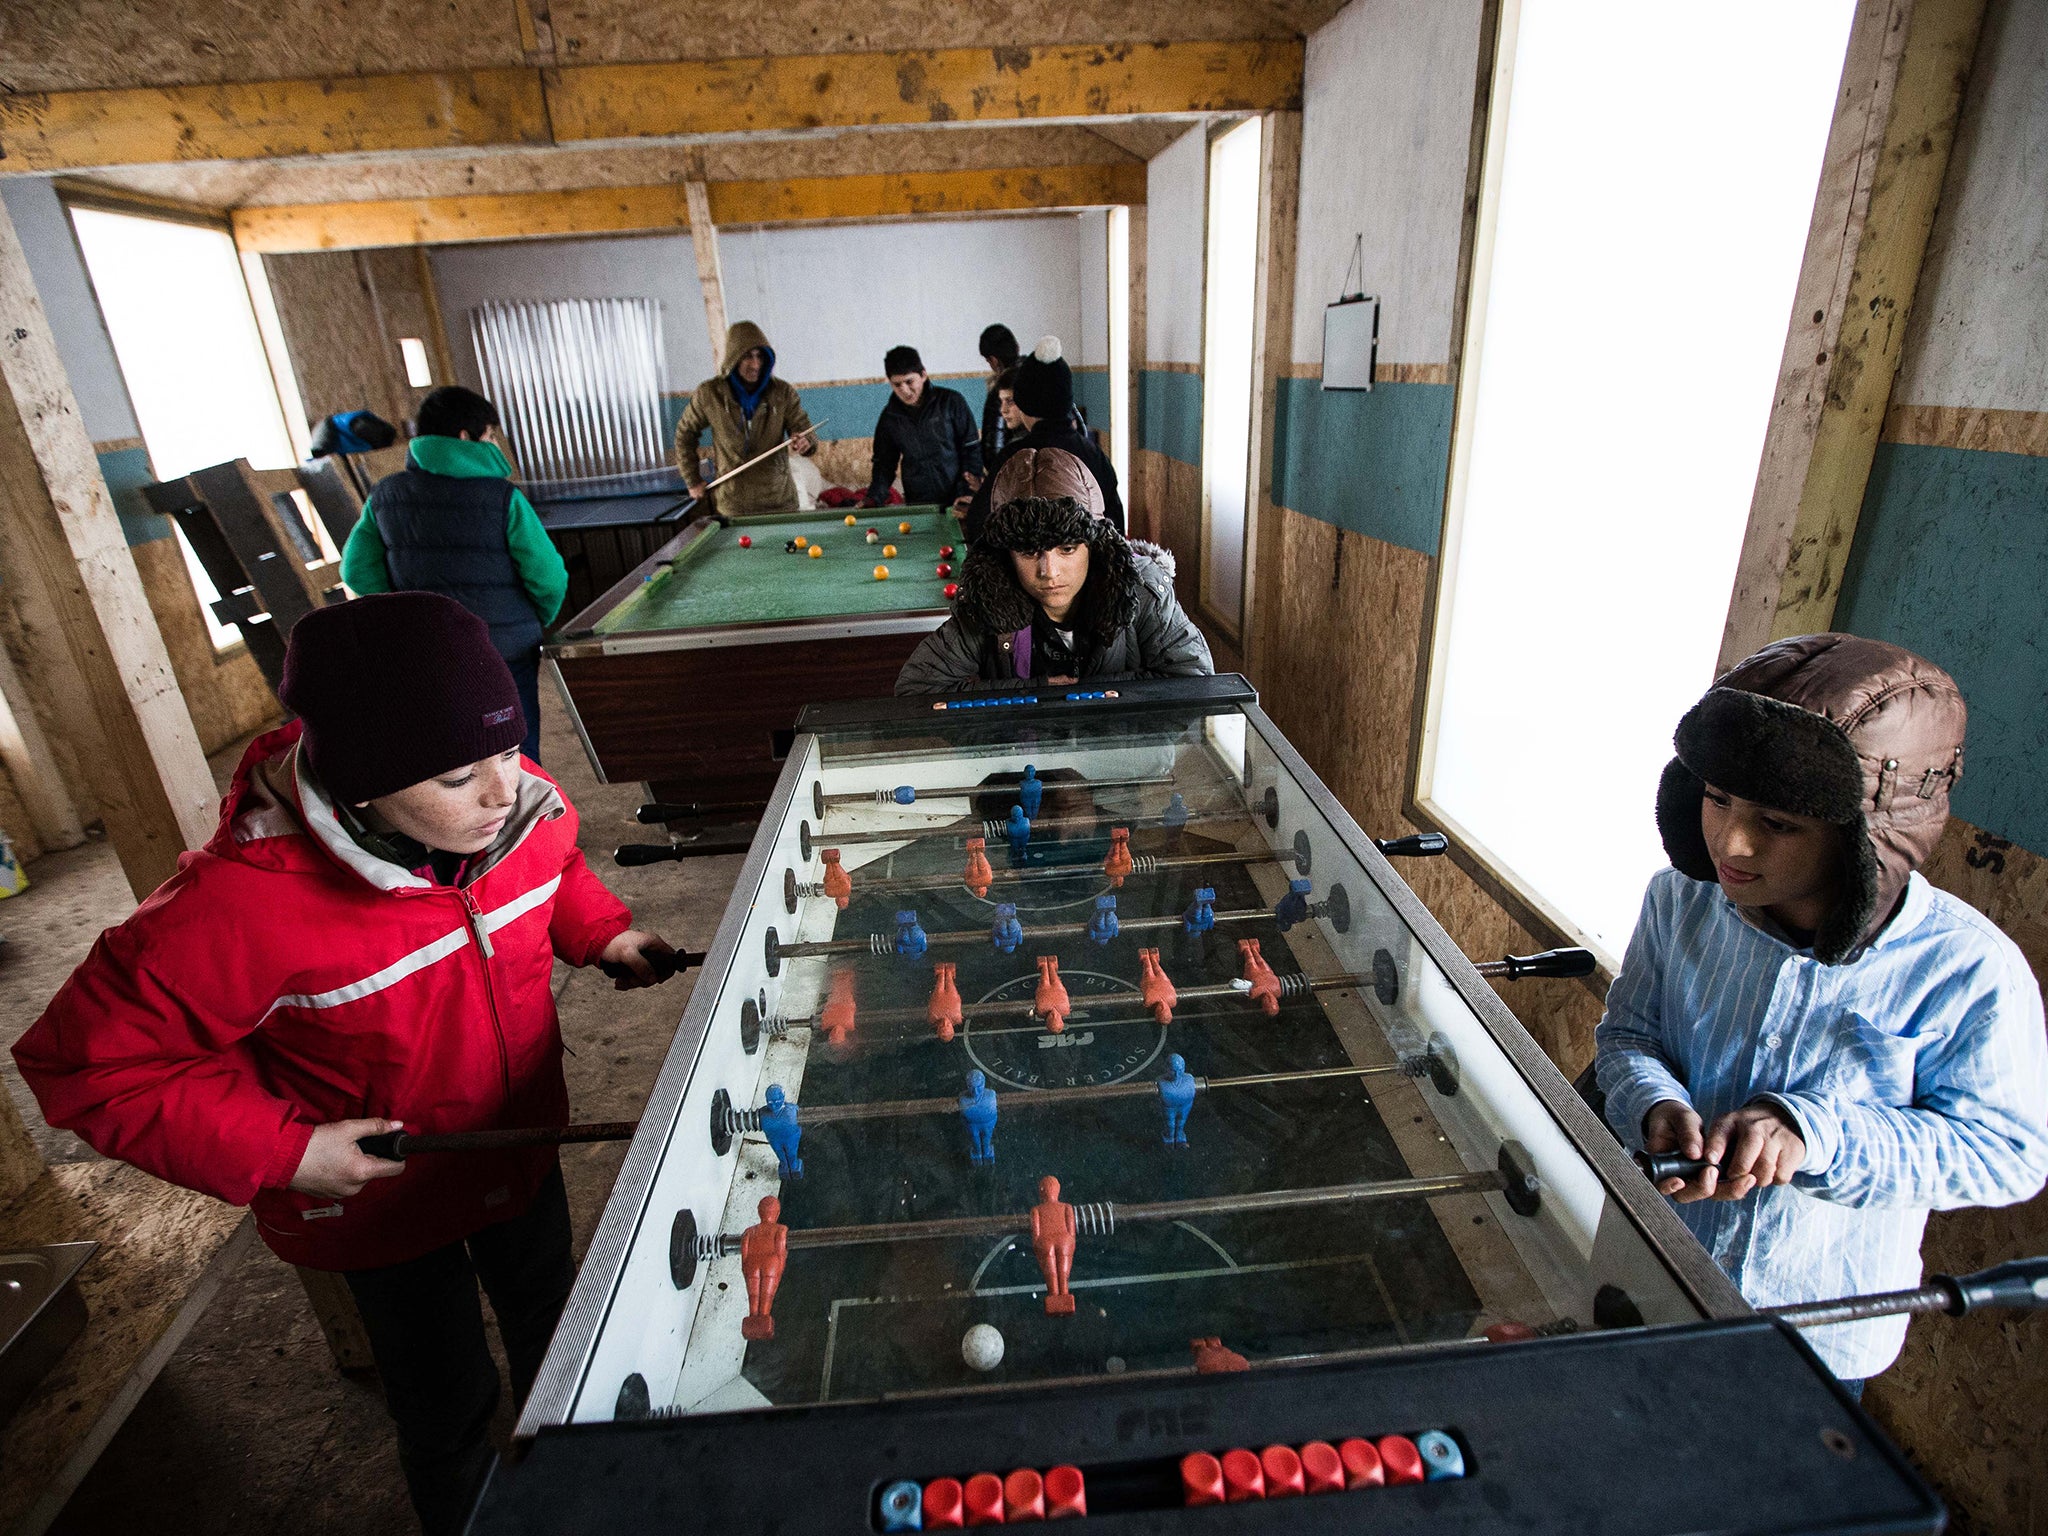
1852 1047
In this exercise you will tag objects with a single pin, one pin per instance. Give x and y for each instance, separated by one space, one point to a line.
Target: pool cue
786 444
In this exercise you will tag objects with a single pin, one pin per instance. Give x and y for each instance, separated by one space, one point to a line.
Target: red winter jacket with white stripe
285 978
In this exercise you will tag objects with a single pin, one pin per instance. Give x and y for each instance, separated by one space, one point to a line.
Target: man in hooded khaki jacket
748 411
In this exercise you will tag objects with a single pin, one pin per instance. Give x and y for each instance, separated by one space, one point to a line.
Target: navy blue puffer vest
447 534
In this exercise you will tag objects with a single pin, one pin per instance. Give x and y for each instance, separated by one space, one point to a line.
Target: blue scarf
749 398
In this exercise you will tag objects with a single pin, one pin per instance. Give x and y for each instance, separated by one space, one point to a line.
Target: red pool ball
952 589
746 541
945 551
945 569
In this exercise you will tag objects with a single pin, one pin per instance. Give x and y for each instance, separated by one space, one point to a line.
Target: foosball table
1078 1117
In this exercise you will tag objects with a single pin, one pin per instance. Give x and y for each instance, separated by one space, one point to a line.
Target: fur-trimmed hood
1853 731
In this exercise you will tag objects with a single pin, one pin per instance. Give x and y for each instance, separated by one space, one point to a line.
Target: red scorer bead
1201 1479
944 1009
1265 990
1283 1471
1157 990
977 876
1023 1496
1362 1465
1051 1001
1402 1460
1510 1332
1244 1477
837 1014
944 568
983 1498
1066 1493
1118 862
838 883
1322 1469
943 1507
952 589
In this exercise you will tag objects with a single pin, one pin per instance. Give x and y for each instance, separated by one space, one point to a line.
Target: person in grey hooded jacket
1052 592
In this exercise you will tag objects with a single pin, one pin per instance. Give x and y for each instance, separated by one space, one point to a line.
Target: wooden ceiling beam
470 109
628 210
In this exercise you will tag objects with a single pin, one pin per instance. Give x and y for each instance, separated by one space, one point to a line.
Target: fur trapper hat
1856 732
1046 473
990 597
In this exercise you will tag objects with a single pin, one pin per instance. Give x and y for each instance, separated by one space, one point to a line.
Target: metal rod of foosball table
1099 1218
2019 1283
986 829
879 943
887 797
1291 985
1142 864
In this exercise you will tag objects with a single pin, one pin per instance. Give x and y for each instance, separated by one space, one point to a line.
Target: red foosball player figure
764 1250
1053 1236
837 1014
1118 863
1211 1357
978 876
838 883
1158 992
944 1008
1051 1001
1265 985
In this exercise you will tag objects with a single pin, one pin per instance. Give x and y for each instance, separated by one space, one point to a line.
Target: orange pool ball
817 553
903 527
889 551
881 573
851 519
800 541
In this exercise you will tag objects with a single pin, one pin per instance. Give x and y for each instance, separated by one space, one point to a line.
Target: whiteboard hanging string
1345 292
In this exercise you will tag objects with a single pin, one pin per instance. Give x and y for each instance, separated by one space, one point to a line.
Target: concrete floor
250 1427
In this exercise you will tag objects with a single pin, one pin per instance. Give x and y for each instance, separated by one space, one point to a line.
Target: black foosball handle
1552 962
632 855
666 963
1417 845
1659 1166
659 812
2021 1283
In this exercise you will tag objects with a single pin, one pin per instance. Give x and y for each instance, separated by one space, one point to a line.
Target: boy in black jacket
930 431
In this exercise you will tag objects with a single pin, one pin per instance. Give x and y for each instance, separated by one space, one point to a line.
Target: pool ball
945 551
851 519
903 527
817 553
881 573
945 569
889 551
746 541
799 541
952 589
789 548
874 537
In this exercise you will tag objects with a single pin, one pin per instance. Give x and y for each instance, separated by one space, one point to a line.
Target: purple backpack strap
1020 650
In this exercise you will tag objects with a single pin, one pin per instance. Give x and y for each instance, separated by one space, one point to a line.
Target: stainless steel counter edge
1702 1279
561 1373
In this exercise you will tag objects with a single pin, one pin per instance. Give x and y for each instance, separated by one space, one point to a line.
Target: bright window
178 311
1635 273
1232 288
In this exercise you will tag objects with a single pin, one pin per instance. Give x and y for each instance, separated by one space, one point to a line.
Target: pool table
688 673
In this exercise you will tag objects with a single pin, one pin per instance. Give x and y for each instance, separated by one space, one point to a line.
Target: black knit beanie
397 688
901 360
1045 384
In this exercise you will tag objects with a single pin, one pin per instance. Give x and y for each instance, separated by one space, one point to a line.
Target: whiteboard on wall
1351 340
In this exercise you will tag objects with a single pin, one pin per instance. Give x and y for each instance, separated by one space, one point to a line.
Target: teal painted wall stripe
126 471
1372 461
1170 414
846 410
1091 393
1951 561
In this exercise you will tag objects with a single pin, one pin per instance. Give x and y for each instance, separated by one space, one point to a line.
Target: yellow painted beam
953 85
78 130
623 210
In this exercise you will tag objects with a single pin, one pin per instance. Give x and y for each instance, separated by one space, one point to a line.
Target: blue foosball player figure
1293 907
779 1125
1200 916
1030 791
1102 927
1176 813
1176 1097
1018 830
1007 933
909 937
978 1109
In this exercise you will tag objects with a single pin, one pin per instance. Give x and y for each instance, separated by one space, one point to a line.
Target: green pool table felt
716 582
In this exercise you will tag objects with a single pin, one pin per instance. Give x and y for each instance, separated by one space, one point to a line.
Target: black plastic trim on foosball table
1731 1425
1135 694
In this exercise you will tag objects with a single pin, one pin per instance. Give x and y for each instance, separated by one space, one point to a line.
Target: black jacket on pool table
938 443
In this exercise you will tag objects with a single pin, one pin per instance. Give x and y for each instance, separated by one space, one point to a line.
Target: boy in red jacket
366 943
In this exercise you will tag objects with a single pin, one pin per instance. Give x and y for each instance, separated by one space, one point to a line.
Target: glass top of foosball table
1347 1154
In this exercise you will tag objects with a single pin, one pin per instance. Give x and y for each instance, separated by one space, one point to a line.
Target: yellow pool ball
801 541
903 527
817 553
881 573
851 519
889 551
